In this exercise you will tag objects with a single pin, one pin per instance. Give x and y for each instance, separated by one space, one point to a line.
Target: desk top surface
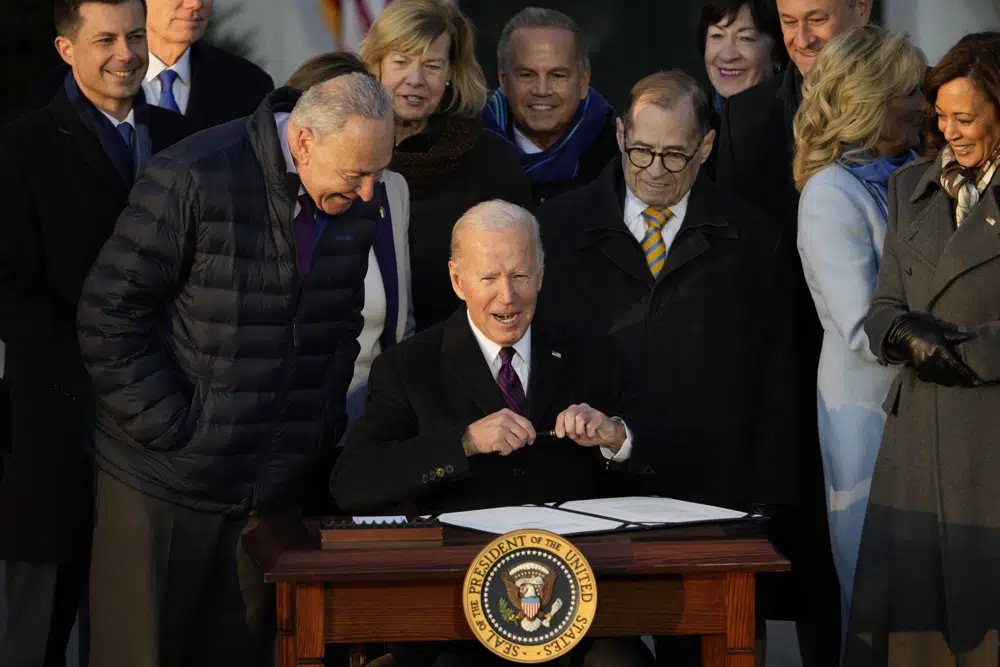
291 553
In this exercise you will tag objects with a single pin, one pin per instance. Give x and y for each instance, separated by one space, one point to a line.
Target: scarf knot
966 184
560 161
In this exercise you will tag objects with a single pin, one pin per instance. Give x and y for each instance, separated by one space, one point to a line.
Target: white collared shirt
521 363
524 143
281 122
638 226
182 85
130 118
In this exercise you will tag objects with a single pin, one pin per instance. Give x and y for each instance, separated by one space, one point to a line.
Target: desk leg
736 647
300 624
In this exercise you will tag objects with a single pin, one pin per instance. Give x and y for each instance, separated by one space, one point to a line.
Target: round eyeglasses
672 161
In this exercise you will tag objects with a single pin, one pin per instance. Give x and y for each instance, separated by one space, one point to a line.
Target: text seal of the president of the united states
530 596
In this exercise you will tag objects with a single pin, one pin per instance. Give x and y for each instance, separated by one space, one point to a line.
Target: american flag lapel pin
557 355
991 221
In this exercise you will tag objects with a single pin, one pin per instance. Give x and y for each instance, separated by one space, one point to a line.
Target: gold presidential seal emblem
530 596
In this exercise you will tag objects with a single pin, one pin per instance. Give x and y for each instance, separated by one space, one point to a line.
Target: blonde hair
846 94
409 27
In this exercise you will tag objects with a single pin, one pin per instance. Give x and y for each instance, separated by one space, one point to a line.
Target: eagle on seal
529 589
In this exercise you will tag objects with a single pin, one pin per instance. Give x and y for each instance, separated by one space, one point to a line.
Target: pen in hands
505 432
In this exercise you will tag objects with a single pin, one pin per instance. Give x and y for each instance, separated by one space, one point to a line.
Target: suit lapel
611 235
84 143
465 364
546 369
201 81
702 220
975 242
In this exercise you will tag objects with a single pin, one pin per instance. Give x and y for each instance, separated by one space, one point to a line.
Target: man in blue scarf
563 129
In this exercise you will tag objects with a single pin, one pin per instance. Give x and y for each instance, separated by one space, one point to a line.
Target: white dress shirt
524 143
281 122
130 118
182 85
638 225
521 363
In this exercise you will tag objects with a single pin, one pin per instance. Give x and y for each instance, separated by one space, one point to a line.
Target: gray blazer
931 542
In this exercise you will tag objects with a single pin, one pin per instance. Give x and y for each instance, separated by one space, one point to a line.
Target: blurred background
628 38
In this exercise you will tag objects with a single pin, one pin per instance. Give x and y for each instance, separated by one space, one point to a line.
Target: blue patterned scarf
875 174
560 161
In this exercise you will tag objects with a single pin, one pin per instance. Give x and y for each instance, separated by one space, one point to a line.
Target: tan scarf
966 184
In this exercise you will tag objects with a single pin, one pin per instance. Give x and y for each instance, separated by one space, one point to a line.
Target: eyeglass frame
687 158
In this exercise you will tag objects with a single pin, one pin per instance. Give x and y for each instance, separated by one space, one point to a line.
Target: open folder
602 515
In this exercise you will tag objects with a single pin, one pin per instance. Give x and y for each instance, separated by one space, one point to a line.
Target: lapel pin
991 221
381 211
557 355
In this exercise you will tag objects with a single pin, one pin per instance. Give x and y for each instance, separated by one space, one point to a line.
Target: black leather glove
929 345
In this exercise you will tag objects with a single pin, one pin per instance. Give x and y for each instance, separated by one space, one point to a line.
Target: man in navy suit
190 76
68 168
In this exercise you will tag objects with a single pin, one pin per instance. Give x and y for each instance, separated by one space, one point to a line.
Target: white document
500 520
653 511
374 520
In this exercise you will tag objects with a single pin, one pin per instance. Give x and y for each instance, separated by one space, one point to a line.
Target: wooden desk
680 581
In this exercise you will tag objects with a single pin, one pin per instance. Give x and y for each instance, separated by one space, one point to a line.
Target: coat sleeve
136 379
386 459
29 311
889 299
779 405
835 245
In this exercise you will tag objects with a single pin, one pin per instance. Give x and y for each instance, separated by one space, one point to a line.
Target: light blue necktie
167 101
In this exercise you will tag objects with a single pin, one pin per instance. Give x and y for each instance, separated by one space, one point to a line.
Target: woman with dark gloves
423 53
927 590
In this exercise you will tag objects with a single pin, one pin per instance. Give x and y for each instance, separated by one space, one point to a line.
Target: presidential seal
530 596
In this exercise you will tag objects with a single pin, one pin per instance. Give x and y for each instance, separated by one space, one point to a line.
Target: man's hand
502 432
589 427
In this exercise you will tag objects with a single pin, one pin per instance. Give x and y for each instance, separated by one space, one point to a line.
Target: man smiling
68 168
695 287
219 326
563 129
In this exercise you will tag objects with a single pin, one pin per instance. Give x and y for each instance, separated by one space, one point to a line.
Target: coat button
440 472
423 478
449 469
517 472
909 270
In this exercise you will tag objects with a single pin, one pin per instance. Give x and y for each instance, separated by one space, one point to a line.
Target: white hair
325 107
497 215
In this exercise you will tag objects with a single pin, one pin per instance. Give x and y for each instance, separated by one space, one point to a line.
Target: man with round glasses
696 287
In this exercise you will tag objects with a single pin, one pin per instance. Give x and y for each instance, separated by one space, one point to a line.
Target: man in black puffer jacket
219 327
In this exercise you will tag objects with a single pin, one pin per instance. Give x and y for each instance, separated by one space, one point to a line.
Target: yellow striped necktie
652 242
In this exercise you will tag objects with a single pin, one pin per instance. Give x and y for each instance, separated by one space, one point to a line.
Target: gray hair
497 215
537 17
667 90
325 107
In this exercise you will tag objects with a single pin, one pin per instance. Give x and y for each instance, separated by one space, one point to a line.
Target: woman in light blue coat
859 121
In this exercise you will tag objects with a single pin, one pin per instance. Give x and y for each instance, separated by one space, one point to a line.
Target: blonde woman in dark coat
927 589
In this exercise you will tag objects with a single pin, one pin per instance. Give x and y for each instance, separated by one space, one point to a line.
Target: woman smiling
422 52
925 593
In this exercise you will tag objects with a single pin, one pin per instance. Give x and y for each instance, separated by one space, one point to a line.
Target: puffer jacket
220 375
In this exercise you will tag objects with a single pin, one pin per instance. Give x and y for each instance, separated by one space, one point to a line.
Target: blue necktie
167 101
127 133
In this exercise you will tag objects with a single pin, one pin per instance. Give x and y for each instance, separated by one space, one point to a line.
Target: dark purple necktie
509 383
305 233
